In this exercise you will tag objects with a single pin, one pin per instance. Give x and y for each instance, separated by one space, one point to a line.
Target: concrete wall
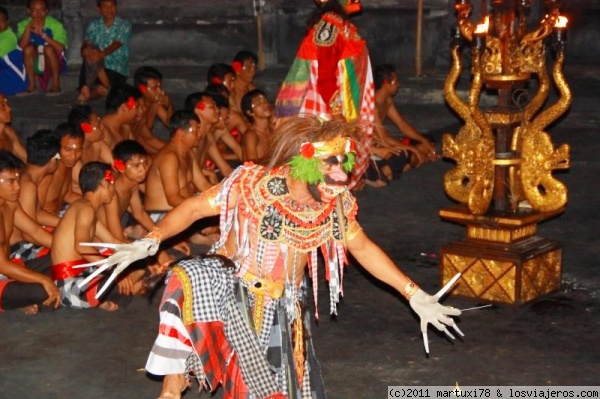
200 32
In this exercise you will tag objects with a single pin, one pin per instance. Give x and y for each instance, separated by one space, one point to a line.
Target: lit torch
480 33
560 29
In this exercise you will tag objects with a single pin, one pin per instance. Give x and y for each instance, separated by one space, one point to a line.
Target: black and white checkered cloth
214 300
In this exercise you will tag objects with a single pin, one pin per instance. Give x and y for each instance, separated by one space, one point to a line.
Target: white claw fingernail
457 329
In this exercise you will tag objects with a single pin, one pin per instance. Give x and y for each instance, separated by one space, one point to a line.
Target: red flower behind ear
237 66
307 150
201 105
108 176
143 88
130 103
86 127
216 80
119 165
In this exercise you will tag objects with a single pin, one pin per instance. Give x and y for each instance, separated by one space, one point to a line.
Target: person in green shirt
13 78
43 39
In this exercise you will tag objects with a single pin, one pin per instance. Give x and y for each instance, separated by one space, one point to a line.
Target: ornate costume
332 75
238 317
286 235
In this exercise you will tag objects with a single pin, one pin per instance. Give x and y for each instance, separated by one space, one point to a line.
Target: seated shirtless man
78 225
9 140
42 152
174 174
158 104
414 149
205 108
143 134
132 163
224 74
94 146
229 148
56 190
244 65
121 111
258 112
22 285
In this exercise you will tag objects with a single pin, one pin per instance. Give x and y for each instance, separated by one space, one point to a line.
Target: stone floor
375 340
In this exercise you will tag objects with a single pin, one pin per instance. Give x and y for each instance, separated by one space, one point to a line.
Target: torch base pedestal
501 260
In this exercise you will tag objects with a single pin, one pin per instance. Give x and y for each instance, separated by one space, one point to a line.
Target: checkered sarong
225 349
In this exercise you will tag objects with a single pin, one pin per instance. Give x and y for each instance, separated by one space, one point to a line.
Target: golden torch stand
504 157
501 260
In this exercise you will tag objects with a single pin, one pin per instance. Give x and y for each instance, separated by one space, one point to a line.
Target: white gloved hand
124 255
429 310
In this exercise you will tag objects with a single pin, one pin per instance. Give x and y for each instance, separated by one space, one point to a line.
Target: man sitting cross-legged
131 161
25 286
42 152
80 224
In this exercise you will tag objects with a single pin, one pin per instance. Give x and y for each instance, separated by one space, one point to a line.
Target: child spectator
43 39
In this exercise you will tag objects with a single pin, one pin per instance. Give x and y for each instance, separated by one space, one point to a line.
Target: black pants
18 295
396 164
89 77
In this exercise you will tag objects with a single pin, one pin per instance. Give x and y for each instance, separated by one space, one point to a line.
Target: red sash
65 270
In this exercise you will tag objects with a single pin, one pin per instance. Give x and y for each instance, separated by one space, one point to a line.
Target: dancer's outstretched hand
124 255
429 311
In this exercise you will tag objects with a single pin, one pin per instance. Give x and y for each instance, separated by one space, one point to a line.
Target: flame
561 22
483 28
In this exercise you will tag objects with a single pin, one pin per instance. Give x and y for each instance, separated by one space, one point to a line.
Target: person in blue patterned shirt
105 52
